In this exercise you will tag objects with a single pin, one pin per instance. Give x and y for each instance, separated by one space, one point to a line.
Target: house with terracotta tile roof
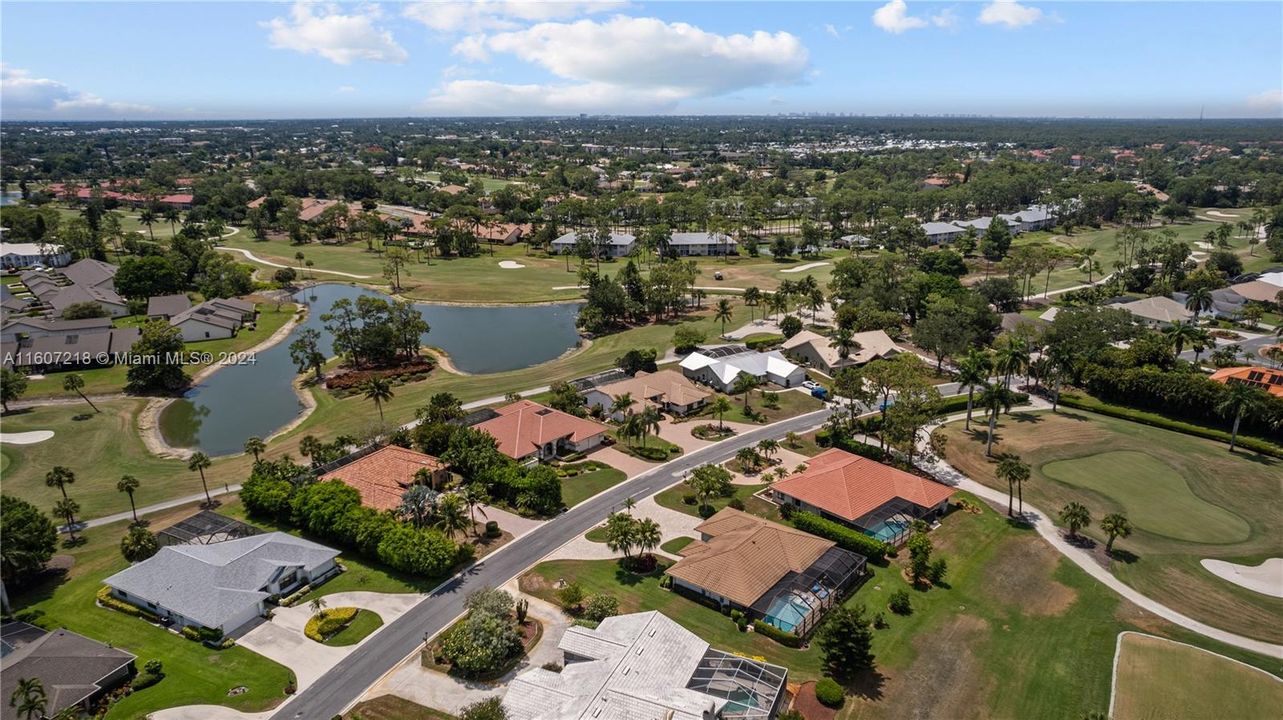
877 499
529 432
1261 378
384 475
667 390
785 577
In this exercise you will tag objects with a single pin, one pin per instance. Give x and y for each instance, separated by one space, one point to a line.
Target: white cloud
894 18
1268 100
831 29
345 89
623 64
500 14
472 48
337 37
1009 13
23 95
946 18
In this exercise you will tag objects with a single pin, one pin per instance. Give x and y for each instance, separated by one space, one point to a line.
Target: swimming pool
787 612
887 530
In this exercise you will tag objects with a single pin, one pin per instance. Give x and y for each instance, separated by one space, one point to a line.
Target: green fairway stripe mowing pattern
1154 495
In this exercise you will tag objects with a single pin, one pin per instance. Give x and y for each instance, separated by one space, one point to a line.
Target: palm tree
128 484
74 383
379 390
744 384
1115 525
28 699
1076 516
752 296
198 462
842 340
723 312
721 405
418 502
310 447
1201 341
973 372
255 446
769 447
630 428
452 515
994 399
317 606
647 535
475 497
629 504
148 217
792 439
621 404
1015 471
60 477
815 301
1011 359
1179 333
1240 401
778 302
67 508
1199 301
748 458
647 422
171 216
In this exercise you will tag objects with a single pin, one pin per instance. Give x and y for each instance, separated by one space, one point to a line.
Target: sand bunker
26 438
1219 214
807 266
1266 578
1204 245
510 265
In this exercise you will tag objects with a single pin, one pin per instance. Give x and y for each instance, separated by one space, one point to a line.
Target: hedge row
106 599
1099 407
327 622
787 639
958 403
144 680
763 342
845 537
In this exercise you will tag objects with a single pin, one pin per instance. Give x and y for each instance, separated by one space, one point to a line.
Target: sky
250 60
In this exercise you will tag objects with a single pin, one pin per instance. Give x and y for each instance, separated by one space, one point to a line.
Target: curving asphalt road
339 688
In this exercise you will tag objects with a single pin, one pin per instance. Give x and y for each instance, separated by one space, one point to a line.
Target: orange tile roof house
1261 378
878 499
528 431
383 476
779 574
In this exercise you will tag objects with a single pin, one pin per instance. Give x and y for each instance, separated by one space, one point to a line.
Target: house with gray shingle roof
166 306
224 585
73 669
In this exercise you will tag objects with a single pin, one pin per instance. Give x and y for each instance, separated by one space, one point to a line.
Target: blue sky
212 60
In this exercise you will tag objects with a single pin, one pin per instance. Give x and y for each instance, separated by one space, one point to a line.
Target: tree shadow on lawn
628 578
1124 556
1025 418
867 685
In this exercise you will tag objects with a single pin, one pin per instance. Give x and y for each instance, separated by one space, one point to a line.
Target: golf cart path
1041 522
269 263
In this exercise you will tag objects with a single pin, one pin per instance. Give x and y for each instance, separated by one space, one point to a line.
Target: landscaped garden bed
346 382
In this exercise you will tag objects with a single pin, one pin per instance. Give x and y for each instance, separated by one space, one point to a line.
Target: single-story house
876 499
815 350
22 255
506 233
85 281
1157 310
981 224
104 296
1258 290
685 244
527 431
620 245
224 585
164 307
645 666
853 241
384 475
72 349
941 232
668 390
1034 217
1009 322
72 669
11 303
29 328
1261 378
213 319
786 577
717 370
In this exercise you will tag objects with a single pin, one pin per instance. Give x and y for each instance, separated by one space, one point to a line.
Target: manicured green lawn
1153 493
1161 679
1188 499
365 622
579 488
194 674
391 707
791 404
597 534
1016 631
675 545
672 498
653 449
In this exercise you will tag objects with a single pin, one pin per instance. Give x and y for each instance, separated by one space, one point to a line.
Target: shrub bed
106 600
845 537
327 622
145 680
350 380
829 693
787 639
764 341
711 432
1143 417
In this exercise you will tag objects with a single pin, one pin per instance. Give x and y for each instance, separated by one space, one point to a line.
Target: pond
240 401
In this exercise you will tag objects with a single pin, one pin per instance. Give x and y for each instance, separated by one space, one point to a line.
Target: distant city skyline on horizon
896 58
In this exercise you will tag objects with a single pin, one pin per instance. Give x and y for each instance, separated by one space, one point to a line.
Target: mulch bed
811 708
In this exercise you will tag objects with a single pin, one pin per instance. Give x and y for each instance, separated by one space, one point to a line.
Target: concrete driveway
413 682
282 639
630 466
785 458
672 524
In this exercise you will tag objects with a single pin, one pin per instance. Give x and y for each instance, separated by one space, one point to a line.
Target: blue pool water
787 612
887 530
